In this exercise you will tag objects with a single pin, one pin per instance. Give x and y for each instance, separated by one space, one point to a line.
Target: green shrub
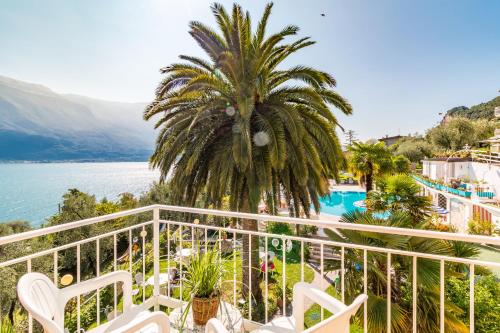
486 304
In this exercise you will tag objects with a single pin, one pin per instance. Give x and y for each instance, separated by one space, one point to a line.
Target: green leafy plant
203 280
204 274
401 164
479 226
6 326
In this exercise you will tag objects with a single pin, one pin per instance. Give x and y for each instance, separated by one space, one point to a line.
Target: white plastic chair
337 323
45 302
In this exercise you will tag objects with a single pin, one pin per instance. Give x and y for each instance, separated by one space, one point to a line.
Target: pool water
340 202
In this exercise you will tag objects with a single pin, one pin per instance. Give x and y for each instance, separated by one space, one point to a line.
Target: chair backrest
41 298
337 323
46 303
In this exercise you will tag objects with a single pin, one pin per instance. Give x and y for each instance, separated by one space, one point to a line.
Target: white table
184 253
183 256
163 278
230 317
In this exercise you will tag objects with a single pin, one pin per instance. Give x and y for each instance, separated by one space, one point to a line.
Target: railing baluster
301 261
206 240
266 281
342 274
365 291
181 263
115 288
414 297
130 254
234 268
98 273
78 264
192 238
471 297
156 256
441 296
168 259
250 277
220 247
389 293
143 254
30 318
284 275
56 267
322 272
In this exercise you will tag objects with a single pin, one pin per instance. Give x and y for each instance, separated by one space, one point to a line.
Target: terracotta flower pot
204 309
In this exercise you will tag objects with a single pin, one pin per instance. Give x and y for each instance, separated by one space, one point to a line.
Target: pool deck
347 188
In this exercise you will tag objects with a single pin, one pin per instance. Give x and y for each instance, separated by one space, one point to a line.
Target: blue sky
398 62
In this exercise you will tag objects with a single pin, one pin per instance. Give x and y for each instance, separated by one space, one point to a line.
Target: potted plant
203 279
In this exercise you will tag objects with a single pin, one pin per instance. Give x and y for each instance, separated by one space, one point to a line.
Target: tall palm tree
239 122
401 276
368 160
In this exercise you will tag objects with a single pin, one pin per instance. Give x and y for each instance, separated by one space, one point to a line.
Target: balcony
148 241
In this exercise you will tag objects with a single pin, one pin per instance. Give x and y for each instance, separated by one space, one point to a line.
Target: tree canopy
369 160
459 131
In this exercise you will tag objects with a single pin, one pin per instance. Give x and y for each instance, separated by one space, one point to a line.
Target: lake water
32 191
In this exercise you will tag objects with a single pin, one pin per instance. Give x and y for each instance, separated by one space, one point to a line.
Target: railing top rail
71 225
340 225
259 217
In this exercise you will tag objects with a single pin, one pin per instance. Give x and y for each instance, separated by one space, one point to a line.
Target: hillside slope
39 124
480 111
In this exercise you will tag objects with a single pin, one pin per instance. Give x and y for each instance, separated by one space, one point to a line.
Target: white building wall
458 215
488 173
475 171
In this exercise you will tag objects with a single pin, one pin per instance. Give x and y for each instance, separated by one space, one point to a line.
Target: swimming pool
340 202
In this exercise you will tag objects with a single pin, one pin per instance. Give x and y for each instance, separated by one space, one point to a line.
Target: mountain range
38 124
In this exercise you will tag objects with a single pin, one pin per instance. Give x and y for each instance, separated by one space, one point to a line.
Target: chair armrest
157 317
303 291
100 282
170 302
250 325
214 325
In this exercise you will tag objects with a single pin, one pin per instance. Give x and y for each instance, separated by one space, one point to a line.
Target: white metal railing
162 238
490 157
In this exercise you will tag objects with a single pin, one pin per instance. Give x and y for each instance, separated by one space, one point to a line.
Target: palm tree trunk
369 179
250 265
11 311
369 182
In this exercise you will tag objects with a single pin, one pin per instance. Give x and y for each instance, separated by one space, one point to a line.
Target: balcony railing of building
489 157
157 232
